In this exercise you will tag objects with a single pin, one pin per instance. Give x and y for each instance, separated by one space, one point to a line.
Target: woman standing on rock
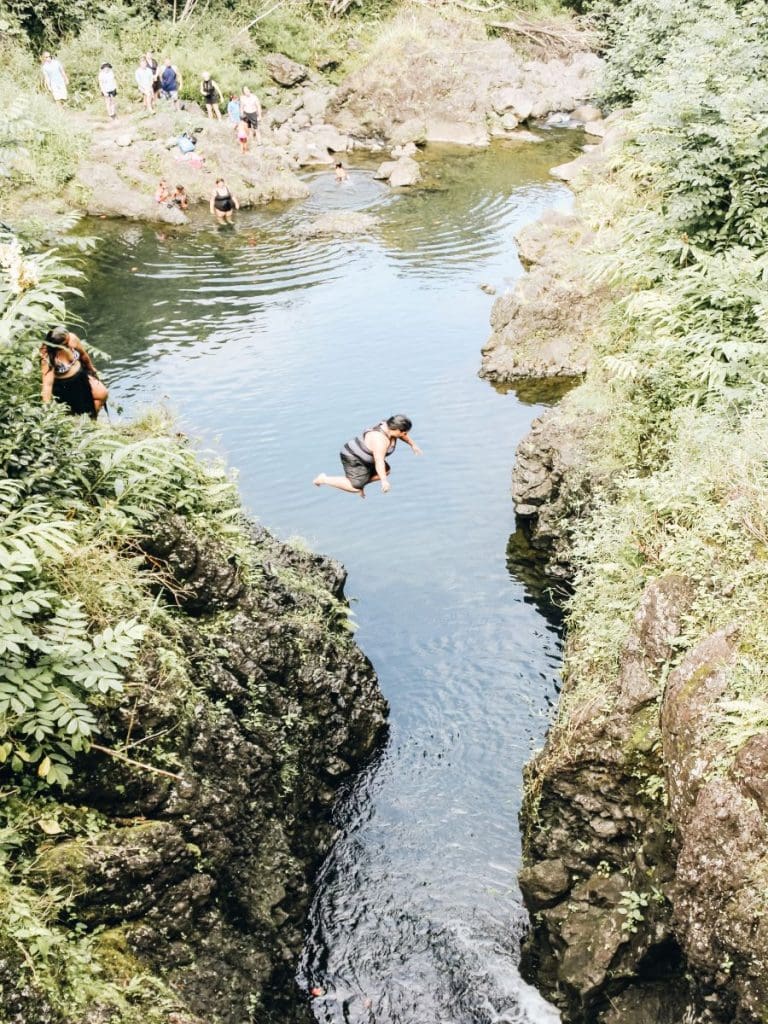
364 457
223 203
68 374
250 111
209 90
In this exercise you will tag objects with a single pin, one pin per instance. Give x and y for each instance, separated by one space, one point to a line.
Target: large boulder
306 151
384 171
458 133
535 241
405 172
284 71
514 101
542 327
413 131
587 113
315 102
340 222
325 136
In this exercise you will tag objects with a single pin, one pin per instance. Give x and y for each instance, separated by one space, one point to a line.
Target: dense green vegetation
682 362
680 380
77 618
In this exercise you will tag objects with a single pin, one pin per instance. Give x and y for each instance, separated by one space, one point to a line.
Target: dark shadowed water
274 350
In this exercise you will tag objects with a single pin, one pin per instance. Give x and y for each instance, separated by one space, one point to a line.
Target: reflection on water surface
274 349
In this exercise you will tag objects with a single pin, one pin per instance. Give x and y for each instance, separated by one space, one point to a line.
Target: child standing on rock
242 135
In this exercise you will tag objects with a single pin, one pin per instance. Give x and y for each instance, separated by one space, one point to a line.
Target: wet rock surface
257 712
339 223
551 479
611 929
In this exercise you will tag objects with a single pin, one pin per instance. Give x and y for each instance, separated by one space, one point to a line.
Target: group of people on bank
163 82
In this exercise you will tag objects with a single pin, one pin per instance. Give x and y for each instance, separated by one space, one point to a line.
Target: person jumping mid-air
364 457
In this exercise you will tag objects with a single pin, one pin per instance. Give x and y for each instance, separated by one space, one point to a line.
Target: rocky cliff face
258 705
434 79
644 836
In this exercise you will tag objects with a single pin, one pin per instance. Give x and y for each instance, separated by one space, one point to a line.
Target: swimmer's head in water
401 423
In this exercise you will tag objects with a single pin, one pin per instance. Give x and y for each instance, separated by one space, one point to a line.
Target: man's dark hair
399 423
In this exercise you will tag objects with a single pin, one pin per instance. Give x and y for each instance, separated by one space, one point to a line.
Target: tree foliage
67 484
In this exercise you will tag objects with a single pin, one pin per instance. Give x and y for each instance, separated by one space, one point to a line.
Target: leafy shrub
637 37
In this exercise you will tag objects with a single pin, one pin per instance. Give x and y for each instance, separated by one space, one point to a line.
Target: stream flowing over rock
206 878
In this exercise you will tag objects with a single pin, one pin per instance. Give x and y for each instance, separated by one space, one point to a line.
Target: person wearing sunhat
108 87
209 90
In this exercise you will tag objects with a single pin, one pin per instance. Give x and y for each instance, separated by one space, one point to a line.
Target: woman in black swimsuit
68 374
223 203
364 457
211 94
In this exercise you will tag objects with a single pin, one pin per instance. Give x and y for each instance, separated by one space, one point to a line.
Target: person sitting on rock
364 457
250 111
341 172
186 142
162 192
180 197
209 89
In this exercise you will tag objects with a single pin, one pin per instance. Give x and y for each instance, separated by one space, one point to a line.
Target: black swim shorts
252 120
358 473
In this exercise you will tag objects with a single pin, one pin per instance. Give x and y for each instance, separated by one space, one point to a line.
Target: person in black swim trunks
364 457
223 203
69 376
250 111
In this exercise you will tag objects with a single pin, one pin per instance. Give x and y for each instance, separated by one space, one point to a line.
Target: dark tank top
358 449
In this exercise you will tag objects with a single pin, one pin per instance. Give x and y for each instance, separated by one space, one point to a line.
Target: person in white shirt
108 86
145 78
55 78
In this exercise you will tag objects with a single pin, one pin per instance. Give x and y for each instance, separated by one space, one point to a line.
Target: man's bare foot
319 479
